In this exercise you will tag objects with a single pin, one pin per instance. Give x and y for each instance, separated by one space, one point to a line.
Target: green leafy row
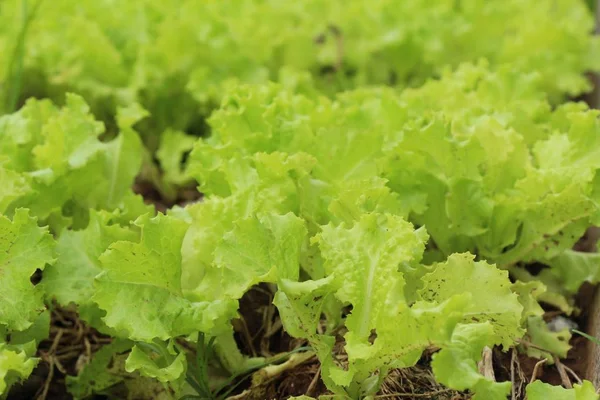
443 161
481 159
175 58
311 194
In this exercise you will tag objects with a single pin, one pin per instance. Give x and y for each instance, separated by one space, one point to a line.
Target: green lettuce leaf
456 276
528 293
18 350
24 248
14 366
174 146
147 277
170 365
539 390
266 186
258 250
456 364
70 279
572 268
548 343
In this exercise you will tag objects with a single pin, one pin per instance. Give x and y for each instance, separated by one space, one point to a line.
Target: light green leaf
210 221
300 305
28 339
24 248
231 357
554 292
353 198
121 163
456 365
147 277
528 293
21 132
257 249
267 187
539 390
556 343
131 206
18 349
365 261
264 250
573 268
14 366
174 145
70 279
14 186
69 138
166 365
490 289
131 114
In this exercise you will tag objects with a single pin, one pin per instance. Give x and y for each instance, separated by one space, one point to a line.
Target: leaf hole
373 336
36 277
